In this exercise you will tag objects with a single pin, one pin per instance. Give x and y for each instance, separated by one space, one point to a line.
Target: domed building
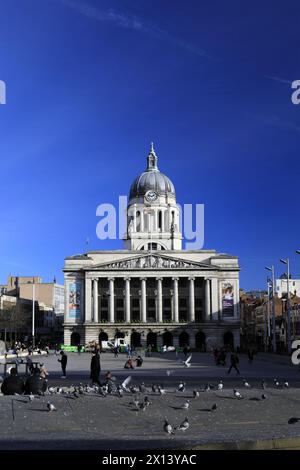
153 291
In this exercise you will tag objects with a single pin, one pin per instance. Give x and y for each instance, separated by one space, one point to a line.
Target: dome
151 179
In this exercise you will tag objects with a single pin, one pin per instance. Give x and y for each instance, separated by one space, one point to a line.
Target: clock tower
152 214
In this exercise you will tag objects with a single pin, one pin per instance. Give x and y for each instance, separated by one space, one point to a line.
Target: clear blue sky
91 83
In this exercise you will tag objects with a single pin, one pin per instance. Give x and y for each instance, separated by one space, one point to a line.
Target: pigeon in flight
187 362
246 384
181 386
125 383
184 425
168 428
50 407
293 420
220 385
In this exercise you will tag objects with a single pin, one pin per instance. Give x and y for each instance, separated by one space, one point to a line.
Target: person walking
116 351
95 368
63 361
234 360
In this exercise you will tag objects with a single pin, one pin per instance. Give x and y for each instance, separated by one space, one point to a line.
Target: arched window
138 221
160 219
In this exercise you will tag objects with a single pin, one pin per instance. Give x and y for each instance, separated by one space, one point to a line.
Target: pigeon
214 407
220 385
207 388
181 386
169 372
136 402
185 405
168 428
264 397
31 397
246 384
263 384
293 420
134 389
147 401
184 425
120 391
161 390
187 362
153 388
196 394
102 391
142 406
237 394
125 383
276 383
142 388
50 407
51 390
286 384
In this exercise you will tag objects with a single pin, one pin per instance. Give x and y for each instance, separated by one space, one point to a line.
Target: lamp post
273 309
287 262
33 315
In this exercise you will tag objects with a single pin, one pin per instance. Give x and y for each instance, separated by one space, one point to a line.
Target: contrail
131 22
278 79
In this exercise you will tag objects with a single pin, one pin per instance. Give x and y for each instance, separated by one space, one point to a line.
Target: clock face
151 196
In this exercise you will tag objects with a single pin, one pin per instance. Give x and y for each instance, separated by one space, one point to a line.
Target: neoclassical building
153 291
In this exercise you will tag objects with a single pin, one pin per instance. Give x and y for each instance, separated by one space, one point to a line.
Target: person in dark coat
63 361
12 384
95 368
35 384
234 360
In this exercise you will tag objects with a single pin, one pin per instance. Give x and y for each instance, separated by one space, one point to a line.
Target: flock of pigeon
141 403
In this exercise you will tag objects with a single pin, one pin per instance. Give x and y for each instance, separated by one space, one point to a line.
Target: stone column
192 300
162 220
127 299
134 219
143 300
207 300
175 300
155 221
88 300
159 300
141 220
111 300
95 299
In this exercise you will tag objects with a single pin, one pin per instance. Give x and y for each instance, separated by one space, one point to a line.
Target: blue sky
91 83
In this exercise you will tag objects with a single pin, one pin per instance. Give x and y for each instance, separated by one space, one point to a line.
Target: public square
95 422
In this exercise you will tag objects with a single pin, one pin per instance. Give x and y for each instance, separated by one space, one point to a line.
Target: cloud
133 23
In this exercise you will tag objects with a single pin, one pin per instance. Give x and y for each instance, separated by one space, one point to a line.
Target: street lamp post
33 315
274 308
287 262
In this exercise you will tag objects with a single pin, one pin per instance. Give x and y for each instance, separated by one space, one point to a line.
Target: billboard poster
74 300
227 299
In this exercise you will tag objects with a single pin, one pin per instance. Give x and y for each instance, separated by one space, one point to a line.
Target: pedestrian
250 355
63 361
79 349
95 368
116 351
185 350
234 360
139 361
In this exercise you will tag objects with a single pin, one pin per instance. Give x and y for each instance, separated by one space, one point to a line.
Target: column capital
191 278
127 278
110 278
175 278
159 278
143 279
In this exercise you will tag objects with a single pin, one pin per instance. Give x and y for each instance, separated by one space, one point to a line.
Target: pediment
151 261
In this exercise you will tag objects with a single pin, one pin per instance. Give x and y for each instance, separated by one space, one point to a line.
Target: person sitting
13 384
139 361
35 385
129 364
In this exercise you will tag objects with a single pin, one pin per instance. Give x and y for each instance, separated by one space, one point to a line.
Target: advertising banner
74 300
227 299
